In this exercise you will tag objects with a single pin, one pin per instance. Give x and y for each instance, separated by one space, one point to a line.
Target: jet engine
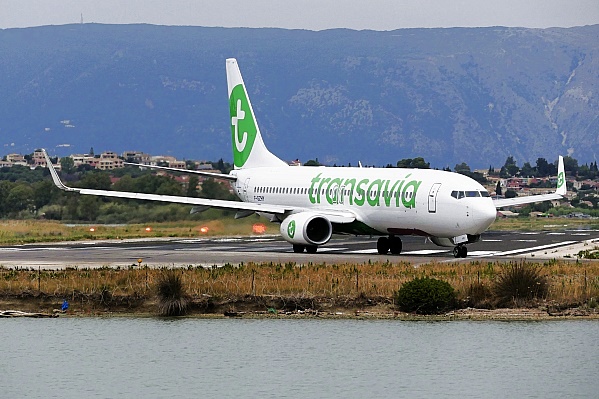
306 228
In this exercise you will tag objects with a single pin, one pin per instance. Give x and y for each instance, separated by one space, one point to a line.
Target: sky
304 14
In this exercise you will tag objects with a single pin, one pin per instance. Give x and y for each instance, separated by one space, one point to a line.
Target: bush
172 300
520 281
479 296
425 296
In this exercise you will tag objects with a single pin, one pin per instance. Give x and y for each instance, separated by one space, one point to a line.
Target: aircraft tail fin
561 177
249 150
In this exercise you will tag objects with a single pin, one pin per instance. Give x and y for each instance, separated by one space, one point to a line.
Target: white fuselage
385 200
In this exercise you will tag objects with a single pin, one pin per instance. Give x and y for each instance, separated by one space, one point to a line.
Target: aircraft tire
456 252
395 245
311 249
382 245
463 251
298 249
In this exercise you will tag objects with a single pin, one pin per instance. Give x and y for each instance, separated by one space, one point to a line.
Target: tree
570 165
214 190
20 198
510 166
544 168
462 168
312 162
414 163
96 180
89 207
43 193
192 187
527 170
510 194
67 165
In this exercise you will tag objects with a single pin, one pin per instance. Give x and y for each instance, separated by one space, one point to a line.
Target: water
154 358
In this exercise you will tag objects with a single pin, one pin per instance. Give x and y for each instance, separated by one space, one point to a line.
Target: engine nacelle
306 228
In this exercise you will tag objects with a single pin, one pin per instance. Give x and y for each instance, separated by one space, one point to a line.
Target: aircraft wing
194 172
334 215
503 202
202 202
559 193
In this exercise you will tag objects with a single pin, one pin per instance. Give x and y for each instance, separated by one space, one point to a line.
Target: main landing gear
460 251
311 249
388 244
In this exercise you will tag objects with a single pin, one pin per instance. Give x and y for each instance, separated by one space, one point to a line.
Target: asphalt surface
177 252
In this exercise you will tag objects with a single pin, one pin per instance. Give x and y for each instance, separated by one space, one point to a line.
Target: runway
180 252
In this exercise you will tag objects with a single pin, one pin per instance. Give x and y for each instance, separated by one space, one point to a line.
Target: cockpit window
469 194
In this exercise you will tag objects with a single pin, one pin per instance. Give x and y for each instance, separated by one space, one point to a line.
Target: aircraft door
432 198
244 193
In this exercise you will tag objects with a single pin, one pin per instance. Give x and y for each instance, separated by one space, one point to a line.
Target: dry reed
569 282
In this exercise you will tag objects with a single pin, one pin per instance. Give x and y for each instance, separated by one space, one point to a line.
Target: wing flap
191 172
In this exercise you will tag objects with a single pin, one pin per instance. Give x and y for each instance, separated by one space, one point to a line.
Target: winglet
54 174
561 177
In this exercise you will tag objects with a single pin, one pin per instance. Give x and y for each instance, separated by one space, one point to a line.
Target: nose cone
485 215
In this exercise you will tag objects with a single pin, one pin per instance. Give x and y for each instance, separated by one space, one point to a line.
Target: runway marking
581 234
530 233
481 254
425 252
211 248
540 247
491 240
556 234
363 251
286 248
524 240
327 249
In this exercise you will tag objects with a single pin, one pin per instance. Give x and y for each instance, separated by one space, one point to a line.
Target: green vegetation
301 286
28 194
172 299
589 253
426 295
33 231
520 282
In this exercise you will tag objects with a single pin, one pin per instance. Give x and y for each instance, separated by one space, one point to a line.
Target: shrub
520 281
172 300
479 296
425 296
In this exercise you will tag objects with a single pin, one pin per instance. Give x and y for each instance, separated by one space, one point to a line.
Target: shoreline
361 308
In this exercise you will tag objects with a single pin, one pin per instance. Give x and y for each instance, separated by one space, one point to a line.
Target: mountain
449 95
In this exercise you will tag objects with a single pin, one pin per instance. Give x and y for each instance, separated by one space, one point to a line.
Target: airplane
312 203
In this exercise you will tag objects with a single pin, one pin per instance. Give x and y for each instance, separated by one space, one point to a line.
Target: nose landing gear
460 251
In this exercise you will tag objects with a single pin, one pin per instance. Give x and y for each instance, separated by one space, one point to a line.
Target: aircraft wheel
460 251
297 248
382 245
456 252
311 249
395 245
